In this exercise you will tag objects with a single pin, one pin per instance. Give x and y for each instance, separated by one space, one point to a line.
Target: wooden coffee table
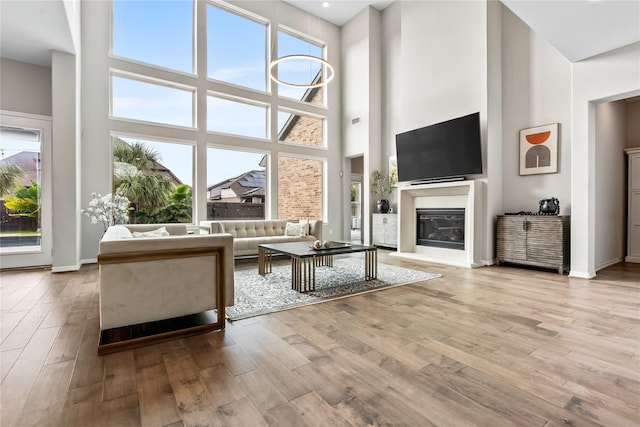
304 260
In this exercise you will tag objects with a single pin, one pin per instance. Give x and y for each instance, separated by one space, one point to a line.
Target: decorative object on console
382 185
539 150
549 206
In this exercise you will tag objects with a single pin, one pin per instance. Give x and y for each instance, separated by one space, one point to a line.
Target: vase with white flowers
108 209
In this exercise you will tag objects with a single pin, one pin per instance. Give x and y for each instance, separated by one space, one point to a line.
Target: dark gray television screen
444 150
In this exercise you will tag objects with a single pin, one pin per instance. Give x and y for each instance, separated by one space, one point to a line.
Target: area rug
256 295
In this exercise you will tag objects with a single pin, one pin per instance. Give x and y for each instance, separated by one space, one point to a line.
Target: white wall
493 153
611 76
443 72
25 88
73 15
391 85
66 168
536 90
610 182
361 58
356 84
443 61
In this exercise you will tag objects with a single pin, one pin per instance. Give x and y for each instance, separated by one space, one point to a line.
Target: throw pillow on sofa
304 228
162 231
293 229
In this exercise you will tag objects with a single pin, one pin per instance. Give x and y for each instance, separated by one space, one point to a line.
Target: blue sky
161 34
9 147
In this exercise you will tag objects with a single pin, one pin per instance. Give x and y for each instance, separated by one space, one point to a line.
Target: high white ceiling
30 30
338 12
579 29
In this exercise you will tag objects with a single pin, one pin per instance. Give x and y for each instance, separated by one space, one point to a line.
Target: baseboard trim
581 275
65 268
609 263
89 261
420 257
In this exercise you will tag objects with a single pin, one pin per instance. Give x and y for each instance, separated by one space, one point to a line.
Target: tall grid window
156 177
236 49
236 117
154 83
142 100
302 129
299 71
155 32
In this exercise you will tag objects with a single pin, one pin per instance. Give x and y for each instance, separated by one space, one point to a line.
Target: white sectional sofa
151 278
248 234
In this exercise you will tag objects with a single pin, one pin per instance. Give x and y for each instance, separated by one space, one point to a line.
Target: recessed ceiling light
325 4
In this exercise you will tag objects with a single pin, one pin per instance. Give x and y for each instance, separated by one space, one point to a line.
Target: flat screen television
442 151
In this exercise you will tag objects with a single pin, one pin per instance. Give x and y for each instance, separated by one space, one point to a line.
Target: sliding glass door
25 191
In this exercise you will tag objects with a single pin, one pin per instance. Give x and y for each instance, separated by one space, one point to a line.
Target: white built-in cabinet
385 230
633 202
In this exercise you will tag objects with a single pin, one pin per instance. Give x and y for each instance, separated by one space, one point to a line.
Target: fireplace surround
466 195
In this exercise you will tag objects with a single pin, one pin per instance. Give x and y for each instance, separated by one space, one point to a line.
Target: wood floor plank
7 359
272 404
222 386
89 366
9 320
155 393
119 375
239 413
485 347
22 333
191 395
47 397
316 412
15 390
68 340
120 412
82 406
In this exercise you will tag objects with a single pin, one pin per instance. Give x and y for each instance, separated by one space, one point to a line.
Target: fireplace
442 228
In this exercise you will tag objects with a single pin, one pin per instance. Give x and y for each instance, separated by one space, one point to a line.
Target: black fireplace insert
442 228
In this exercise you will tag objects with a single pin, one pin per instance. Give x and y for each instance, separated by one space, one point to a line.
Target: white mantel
458 194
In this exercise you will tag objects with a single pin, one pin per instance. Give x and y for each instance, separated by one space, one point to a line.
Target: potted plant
382 186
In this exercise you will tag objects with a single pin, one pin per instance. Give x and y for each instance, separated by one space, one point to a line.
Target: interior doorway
25 187
356 211
356 198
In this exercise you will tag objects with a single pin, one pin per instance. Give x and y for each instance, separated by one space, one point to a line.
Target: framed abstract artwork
539 150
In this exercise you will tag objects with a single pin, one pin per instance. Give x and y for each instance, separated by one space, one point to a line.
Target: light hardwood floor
495 346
